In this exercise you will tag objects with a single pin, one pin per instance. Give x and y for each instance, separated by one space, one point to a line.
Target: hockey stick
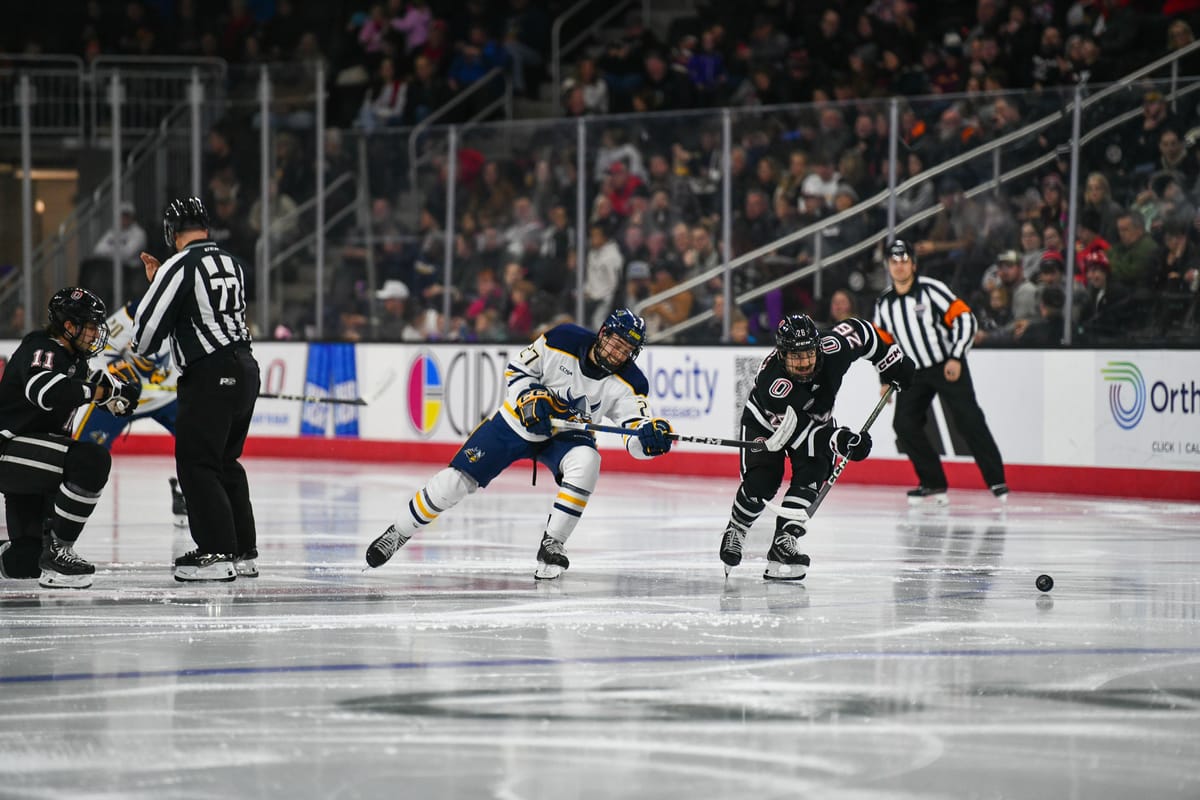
570 425
805 514
388 378
309 398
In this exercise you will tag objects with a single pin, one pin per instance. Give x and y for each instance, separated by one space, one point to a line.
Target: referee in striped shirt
935 329
197 299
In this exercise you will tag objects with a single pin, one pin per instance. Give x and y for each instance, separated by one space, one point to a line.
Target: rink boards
1103 422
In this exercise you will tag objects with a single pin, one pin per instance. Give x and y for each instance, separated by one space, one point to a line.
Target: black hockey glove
897 369
121 394
851 444
652 435
537 405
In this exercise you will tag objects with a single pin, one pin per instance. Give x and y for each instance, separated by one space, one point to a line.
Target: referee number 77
224 281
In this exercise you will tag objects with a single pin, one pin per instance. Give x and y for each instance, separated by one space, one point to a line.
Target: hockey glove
652 435
120 395
537 405
783 434
897 369
850 444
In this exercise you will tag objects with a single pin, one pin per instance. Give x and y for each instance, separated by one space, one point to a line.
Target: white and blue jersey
158 400
559 361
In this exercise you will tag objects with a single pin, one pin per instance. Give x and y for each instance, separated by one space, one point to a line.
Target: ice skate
384 547
784 561
552 560
246 564
923 495
731 547
62 567
197 566
1000 492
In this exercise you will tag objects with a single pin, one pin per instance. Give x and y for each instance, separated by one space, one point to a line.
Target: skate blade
55 580
547 572
728 569
936 500
784 572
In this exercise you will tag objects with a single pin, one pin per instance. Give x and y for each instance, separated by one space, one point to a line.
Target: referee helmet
183 214
900 250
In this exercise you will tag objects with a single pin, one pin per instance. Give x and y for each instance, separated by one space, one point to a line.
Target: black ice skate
246 564
552 560
923 495
384 547
197 566
62 567
731 547
784 561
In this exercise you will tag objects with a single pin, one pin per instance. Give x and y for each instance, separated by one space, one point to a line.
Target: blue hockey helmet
626 326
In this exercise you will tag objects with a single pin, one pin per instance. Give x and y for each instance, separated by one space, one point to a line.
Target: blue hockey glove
652 434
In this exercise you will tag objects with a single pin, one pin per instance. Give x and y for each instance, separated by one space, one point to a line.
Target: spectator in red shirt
620 187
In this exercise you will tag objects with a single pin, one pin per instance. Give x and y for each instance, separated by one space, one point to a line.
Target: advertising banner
1130 410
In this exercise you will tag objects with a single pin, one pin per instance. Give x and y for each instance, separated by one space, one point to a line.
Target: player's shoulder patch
569 338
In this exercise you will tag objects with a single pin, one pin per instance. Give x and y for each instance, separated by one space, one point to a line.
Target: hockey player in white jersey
568 373
158 402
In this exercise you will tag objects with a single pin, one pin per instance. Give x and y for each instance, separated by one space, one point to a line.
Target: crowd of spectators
653 188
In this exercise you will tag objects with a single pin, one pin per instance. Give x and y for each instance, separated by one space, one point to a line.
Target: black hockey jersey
774 389
43 384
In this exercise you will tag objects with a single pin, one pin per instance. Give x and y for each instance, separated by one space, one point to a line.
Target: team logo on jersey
473 454
780 387
426 393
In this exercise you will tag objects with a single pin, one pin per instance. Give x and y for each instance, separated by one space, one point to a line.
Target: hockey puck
1044 583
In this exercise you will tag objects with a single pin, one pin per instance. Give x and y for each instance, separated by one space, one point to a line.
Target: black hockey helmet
81 308
900 250
183 214
625 325
798 334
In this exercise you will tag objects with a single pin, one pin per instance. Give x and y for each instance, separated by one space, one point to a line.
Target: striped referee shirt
198 299
928 322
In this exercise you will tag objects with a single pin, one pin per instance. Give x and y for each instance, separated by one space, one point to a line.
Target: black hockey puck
1044 583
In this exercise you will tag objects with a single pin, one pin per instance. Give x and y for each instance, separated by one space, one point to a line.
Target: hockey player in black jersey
51 482
790 408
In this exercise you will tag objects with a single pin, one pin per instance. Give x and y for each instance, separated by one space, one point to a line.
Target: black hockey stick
802 514
571 425
346 401
388 378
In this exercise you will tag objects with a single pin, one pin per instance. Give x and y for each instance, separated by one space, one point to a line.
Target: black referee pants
216 401
912 412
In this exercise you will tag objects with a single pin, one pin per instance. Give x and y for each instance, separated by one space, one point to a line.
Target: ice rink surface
917 659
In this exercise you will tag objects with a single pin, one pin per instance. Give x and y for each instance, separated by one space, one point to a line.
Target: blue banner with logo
331 372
